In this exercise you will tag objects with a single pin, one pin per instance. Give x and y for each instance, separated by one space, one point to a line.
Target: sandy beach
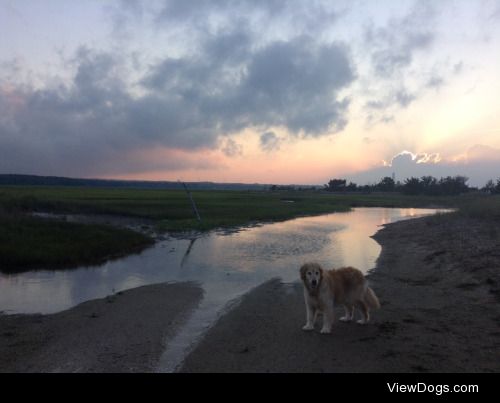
125 332
438 280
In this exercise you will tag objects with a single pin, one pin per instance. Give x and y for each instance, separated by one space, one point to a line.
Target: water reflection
225 265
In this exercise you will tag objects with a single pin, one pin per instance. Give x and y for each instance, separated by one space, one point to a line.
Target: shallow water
225 265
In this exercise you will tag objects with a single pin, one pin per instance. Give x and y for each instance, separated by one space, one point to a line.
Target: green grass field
28 242
173 211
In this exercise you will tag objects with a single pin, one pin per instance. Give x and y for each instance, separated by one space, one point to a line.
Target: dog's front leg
328 318
310 317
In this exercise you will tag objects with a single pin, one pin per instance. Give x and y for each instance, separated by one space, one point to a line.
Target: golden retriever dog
324 288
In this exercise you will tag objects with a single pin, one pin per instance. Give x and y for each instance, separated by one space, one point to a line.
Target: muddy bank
438 280
125 332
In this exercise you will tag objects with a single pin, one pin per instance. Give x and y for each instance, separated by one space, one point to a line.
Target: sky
253 91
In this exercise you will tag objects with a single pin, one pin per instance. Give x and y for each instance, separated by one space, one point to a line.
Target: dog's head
311 275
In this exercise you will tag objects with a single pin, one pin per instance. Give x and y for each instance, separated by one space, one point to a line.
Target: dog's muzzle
314 283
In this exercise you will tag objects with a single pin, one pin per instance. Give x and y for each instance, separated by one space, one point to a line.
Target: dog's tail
371 299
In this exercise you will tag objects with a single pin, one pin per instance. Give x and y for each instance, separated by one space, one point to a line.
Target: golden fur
324 288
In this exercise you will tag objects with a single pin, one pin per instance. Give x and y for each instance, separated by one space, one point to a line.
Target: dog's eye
308 273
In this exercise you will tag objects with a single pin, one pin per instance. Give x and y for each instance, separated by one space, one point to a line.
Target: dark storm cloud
233 78
239 78
187 103
81 126
210 70
294 84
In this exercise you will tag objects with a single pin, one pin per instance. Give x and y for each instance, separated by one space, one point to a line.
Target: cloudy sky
267 91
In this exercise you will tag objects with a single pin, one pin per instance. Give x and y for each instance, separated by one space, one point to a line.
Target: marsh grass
483 207
28 243
172 209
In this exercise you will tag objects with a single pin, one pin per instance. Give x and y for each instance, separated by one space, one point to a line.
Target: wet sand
125 332
438 280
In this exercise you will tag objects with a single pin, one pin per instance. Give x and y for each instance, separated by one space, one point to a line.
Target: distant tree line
491 187
426 185
291 187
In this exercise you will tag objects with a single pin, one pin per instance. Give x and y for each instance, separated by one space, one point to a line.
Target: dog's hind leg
328 318
349 313
365 311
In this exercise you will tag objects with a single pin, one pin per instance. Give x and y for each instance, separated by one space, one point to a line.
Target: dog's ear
303 270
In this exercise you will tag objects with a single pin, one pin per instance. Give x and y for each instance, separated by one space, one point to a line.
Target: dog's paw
308 327
361 322
326 331
345 319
